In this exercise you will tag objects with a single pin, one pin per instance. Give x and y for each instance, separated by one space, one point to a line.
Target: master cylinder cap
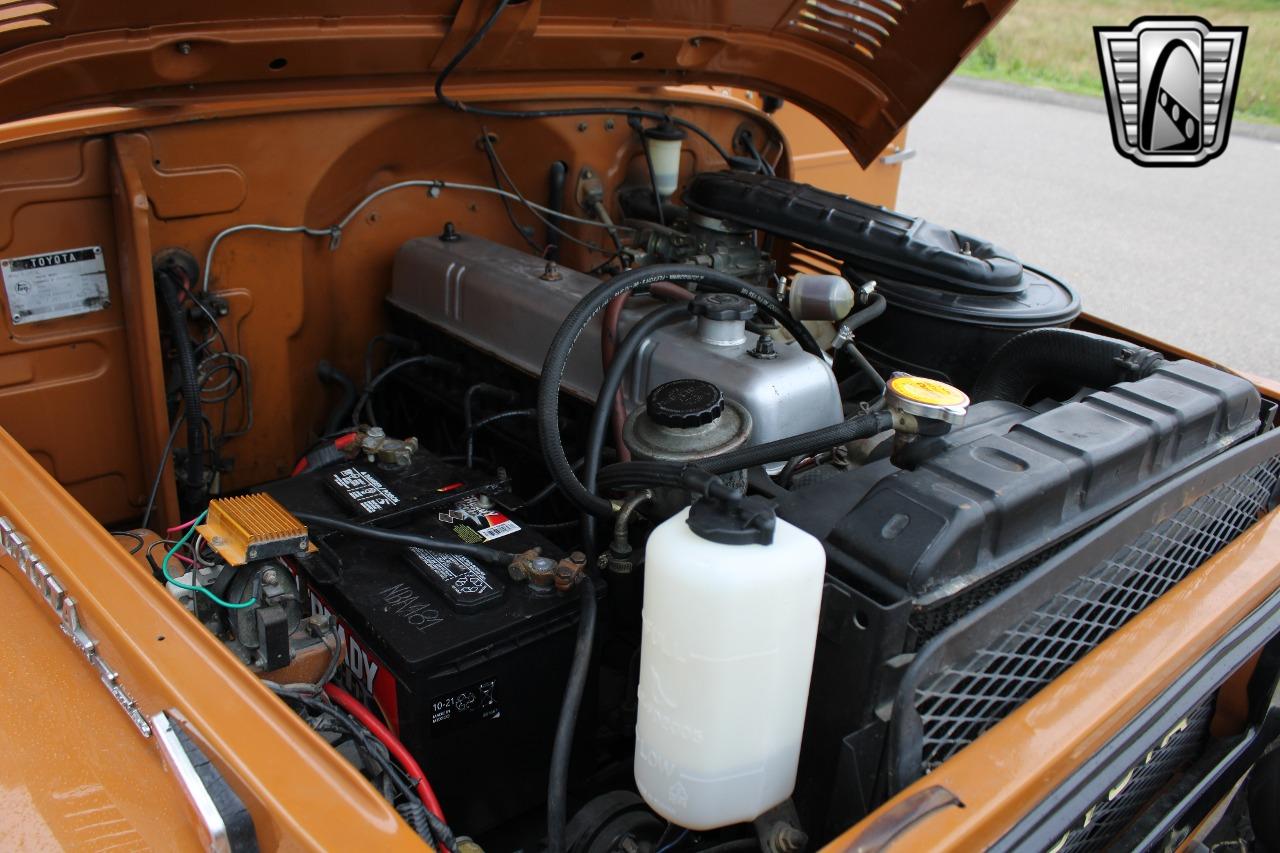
685 403
925 406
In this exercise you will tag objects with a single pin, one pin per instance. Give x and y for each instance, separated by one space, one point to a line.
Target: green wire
164 568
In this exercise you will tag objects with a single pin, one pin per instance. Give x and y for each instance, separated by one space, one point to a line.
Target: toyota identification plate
57 284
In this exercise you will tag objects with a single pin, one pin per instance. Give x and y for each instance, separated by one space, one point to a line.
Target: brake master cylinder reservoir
663 144
731 598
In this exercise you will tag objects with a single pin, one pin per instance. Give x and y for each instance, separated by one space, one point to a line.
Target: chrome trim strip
213 827
63 605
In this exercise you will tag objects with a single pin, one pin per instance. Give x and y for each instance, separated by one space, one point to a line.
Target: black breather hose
168 287
470 434
332 375
587 308
481 553
875 306
867 368
428 360
636 474
599 426
562 748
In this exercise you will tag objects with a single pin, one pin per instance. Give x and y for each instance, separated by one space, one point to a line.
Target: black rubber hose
427 360
873 309
470 434
622 357
480 553
562 748
865 367
578 319
333 376
635 474
169 287
1060 356
599 426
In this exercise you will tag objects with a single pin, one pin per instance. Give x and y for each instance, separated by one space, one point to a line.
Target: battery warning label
362 492
468 705
475 522
464 584
57 284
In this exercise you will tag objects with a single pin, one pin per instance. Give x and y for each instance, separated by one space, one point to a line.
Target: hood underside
863 66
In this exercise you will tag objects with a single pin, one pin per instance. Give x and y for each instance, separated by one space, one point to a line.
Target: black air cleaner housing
954 298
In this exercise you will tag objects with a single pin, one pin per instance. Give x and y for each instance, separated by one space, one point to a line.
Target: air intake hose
1061 355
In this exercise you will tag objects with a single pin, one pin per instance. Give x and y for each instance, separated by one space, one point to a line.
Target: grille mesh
962 702
1137 788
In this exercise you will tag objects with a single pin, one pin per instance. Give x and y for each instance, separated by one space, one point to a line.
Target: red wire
355 708
342 442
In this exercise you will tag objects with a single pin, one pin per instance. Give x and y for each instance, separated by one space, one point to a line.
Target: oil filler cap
924 399
684 403
723 306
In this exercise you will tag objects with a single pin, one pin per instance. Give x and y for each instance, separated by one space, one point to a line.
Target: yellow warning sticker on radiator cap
930 392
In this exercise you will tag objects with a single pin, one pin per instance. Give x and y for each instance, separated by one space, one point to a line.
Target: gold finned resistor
252 527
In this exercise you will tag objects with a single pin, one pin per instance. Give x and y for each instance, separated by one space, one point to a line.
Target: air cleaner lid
1043 301
875 240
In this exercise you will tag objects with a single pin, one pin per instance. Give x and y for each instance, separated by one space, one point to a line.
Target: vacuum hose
193 484
1056 355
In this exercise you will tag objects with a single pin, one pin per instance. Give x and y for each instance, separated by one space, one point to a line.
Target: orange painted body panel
865 78
75 773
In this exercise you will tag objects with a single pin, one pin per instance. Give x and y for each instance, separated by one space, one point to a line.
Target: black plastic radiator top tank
953 298
915 554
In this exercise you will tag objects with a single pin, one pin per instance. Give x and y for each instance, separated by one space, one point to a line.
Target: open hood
862 66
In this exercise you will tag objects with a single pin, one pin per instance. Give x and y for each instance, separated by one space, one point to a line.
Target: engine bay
633 511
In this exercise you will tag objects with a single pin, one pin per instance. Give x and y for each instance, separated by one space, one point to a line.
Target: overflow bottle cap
724 516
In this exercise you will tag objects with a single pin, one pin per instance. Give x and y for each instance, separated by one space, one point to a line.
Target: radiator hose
193 481
1080 358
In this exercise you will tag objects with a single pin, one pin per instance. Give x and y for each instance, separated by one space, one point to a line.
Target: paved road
1191 256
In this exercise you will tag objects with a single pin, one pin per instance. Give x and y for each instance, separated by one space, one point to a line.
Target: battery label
362 492
464 584
474 522
57 284
468 705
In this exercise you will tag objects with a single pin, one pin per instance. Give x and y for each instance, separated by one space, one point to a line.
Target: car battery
466 665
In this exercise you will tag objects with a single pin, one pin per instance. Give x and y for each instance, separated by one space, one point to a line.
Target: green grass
1050 43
